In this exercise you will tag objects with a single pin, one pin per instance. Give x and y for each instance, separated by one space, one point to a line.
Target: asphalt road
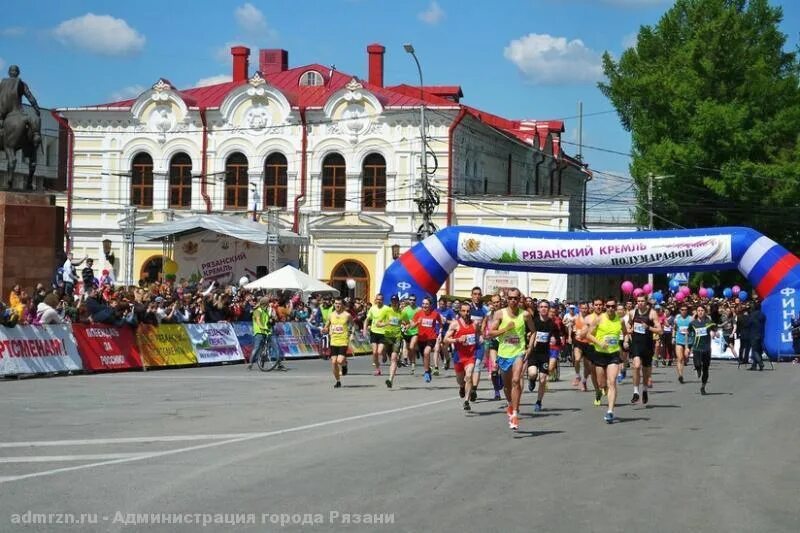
223 444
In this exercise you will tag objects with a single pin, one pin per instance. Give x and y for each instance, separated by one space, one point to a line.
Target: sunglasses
611 306
513 297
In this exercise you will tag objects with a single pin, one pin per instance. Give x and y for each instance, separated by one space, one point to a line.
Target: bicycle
269 357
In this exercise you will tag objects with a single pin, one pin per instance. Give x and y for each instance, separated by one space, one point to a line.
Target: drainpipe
536 172
204 162
70 168
450 165
303 154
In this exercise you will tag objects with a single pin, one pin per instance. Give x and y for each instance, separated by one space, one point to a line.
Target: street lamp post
409 48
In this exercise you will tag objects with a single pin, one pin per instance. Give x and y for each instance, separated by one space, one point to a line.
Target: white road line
124 440
222 443
59 458
255 377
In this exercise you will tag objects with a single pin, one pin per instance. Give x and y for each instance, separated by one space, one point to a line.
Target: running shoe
680 380
620 378
584 388
338 385
537 407
467 407
609 418
497 395
344 370
531 385
413 369
436 371
388 383
644 397
461 392
513 422
473 394
597 396
377 372
576 382
635 398
703 390
427 376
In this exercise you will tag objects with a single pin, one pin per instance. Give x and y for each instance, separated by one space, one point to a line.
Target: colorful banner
214 343
103 348
38 349
244 334
594 253
294 339
165 345
359 343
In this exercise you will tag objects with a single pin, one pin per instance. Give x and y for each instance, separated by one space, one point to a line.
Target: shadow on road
527 434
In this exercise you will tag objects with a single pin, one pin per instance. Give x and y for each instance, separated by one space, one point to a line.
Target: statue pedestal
31 240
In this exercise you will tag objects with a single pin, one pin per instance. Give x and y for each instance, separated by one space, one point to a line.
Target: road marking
58 458
265 434
123 440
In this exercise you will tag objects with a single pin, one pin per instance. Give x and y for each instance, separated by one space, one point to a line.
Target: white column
353 193
255 189
160 188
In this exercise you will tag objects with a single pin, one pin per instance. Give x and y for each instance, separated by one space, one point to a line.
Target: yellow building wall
140 256
331 259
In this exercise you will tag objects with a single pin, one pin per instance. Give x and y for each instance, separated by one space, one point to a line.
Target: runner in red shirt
428 320
464 336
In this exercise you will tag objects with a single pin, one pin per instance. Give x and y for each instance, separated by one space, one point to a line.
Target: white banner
215 343
38 349
590 254
720 351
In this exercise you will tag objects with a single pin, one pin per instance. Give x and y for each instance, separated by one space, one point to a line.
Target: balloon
727 292
680 296
709 293
637 292
170 267
742 296
685 290
658 297
627 287
647 288
244 280
703 292
736 290
674 285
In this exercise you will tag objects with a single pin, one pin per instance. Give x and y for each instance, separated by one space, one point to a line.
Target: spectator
46 311
87 276
68 274
756 324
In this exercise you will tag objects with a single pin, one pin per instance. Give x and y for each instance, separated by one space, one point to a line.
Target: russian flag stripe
755 252
438 251
778 272
418 273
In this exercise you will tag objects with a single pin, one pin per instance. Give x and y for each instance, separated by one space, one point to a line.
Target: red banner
105 348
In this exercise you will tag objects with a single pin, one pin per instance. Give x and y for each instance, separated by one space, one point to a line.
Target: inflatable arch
769 267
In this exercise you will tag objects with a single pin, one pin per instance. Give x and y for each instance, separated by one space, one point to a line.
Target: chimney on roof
241 59
375 53
271 61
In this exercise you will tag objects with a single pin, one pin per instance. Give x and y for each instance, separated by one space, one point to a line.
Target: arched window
312 77
350 269
333 182
275 181
373 183
180 182
142 181
236 181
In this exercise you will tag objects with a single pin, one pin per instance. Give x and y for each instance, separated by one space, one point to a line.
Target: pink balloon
685 290
736 290
647 288
627 287
703 292
679 296
637 292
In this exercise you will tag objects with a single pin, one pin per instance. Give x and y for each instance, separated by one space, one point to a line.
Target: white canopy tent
289 278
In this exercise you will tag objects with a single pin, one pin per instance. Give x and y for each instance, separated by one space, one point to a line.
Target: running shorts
555 353
462 363
492 344
376 338
426 344
604 359
393 345
582 346
506 363
338 350
540 361
479 351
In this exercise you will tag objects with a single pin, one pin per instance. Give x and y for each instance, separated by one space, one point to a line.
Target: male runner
605 335
490 347
643 322
339 326
442 351
410 333
477 314
681 336
579 348
557 342
508 326
373 325
427 321
463 335
538 361
702 329
392 335
588 323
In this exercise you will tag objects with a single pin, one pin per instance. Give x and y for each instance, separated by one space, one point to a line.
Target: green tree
712 98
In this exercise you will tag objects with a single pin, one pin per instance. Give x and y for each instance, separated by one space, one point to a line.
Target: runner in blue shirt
442 350
478 313
681 336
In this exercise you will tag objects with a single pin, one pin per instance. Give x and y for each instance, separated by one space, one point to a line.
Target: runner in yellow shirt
340 327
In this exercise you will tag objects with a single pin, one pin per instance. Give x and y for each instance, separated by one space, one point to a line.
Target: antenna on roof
330 72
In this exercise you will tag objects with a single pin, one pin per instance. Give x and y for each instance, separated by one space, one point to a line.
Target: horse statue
18 130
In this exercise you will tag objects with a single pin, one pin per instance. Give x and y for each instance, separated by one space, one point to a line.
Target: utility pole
580 131
128 239
650 180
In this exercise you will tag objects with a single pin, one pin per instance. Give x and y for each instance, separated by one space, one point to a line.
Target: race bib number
476 319
394 321
512 339
683 330
542 336
427 322
469 340
667 329
612 341
639 327
337 328
701 332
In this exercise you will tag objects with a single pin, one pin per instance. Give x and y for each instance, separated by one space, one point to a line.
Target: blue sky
517 58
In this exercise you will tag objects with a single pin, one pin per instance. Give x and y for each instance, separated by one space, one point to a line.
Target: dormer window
311 78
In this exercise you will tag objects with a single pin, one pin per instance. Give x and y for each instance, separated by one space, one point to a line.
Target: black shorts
604 359
643 351
338 350
582 346
427 344
407 337
540 361
376 338
492 344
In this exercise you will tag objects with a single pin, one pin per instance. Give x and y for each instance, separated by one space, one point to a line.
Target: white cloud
213 80
131 91
252 21
100 34
630 40
13 31
548 60
433 15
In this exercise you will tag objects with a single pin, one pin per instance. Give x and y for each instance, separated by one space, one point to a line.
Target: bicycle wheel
270 357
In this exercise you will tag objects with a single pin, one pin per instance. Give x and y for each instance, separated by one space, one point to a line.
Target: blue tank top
682 329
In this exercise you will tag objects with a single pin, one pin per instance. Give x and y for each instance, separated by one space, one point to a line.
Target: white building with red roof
330 156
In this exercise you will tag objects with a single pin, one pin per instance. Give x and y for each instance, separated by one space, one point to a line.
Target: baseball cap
159 299
395 298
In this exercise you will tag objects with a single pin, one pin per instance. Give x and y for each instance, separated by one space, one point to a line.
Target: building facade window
180 182
311 78
275 181
142 181
373 183
333 182
236 181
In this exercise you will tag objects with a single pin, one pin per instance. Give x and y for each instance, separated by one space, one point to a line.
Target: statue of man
12 89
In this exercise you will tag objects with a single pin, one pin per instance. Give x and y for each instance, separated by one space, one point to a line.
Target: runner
682 323
579 348
508 326
605 334
463 335
442 350
643 322
339 326
667 342
428 322
374 326
625 341
393 338
557 343
410 333
477 314
702 329
539 358
490 346
589 322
